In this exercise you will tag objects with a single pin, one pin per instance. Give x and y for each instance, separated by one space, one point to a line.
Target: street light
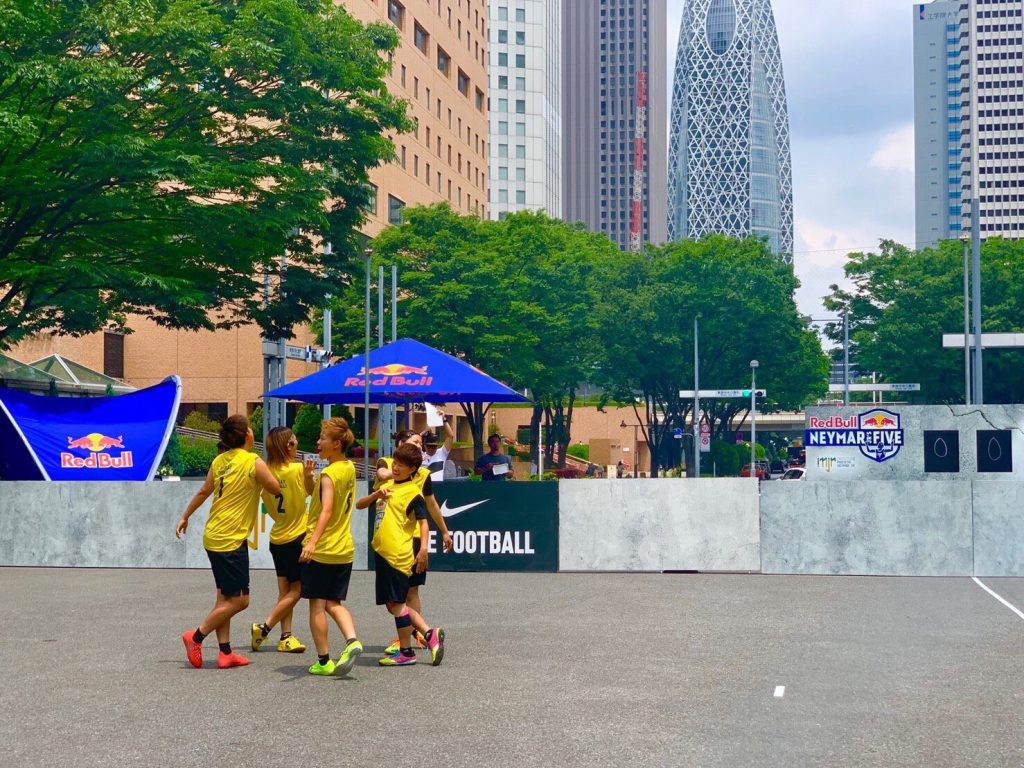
753 416
366 377
636 458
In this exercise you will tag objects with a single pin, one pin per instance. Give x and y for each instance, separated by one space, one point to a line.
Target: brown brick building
440 69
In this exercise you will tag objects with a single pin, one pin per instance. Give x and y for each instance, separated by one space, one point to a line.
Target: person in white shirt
435 454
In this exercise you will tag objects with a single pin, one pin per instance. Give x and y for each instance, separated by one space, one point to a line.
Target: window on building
520 129
463 83
370 206
113 355
520 106
520 14
502 13
502 35
396 13
503 105
503 172
502 59
503 127
521 197
502 195
479 100
395 208
520 38
444 61
421 37
520 151
520 60
520 83
503 150
503 82
520 174
403 76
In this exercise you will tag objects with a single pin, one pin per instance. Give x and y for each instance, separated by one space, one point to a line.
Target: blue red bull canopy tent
403 371
86 438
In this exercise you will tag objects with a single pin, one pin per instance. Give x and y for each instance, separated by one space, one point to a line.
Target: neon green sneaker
392 649
397 659
257 636
290 644
322 669
348 657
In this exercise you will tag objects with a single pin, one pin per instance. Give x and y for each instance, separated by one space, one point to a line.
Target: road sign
687 394
677 433
705 443
876 387
988 340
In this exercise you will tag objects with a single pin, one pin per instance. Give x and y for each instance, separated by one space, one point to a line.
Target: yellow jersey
396 524
288 511
336 546
236 497
421 478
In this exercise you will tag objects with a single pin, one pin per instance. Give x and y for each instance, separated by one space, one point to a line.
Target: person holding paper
494 465
435 455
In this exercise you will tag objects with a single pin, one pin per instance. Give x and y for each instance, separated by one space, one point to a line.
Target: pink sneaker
435 642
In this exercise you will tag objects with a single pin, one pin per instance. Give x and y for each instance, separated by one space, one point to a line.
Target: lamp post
366 375
636 458
753 416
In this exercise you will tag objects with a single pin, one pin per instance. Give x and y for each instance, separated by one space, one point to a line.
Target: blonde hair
277 446
337 429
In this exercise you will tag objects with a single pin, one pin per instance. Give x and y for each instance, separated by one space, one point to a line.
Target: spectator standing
494 459
435 454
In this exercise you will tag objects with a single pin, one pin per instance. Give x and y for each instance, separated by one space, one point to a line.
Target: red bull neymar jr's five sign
877 433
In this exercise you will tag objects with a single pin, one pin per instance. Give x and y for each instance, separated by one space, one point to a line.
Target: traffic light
760 393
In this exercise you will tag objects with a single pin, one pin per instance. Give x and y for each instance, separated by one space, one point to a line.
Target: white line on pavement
780 691
1000 599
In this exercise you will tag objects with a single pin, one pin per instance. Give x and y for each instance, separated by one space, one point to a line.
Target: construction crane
636 219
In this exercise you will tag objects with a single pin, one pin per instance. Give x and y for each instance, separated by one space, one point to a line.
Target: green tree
256 423
743 296
307 425
158 157
902 301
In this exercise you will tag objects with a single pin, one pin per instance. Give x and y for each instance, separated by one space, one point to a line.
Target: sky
850 87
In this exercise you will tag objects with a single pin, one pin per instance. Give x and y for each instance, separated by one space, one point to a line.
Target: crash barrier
662 525
949 528
893 528
115 525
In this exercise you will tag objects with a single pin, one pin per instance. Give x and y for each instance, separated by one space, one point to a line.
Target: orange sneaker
193 650
228 660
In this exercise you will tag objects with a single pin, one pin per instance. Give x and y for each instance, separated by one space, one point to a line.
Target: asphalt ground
541 670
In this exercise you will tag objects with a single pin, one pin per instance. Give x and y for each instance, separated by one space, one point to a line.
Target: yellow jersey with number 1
236 498
288 511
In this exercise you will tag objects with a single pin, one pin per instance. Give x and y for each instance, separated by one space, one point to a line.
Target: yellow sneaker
290 644
393 648
257 636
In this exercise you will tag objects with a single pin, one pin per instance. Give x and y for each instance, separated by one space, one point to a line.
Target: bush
256 423
569 473
307 426
197 455
200 421
170 462
580 451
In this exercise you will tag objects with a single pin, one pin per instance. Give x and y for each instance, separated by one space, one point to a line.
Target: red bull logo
876 433
393 374
96 446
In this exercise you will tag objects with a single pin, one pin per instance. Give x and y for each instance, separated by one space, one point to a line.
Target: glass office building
729 162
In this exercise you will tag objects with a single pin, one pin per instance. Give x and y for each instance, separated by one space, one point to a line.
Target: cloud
896 151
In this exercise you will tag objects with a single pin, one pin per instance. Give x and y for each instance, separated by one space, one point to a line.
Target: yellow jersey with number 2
288 511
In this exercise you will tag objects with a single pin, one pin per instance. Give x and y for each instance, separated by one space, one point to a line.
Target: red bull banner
877 433
86 438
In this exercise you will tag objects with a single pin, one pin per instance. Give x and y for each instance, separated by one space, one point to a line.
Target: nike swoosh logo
447 511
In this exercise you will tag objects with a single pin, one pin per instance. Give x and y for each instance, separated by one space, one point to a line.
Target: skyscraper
606 44
969 118
524 85
729 163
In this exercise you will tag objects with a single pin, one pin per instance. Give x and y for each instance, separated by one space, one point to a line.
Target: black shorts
325 581
417 579
286 559
231 570
392 584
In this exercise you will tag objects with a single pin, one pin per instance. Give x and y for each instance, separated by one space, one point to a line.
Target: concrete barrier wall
895 528
114 525
662 525
998 528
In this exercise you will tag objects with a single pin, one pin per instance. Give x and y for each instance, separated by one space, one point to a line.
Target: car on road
776 469
794 473
760 471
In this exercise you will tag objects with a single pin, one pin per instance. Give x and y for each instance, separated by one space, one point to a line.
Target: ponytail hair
234 431
336 428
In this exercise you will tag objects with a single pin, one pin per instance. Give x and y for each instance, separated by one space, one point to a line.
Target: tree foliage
902 302
158 157
744 298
